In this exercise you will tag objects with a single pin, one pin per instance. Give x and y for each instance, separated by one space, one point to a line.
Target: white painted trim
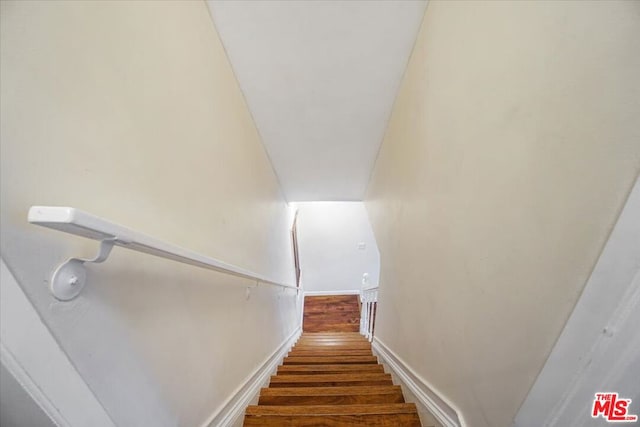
301 316
34 358
31 388
599 343
427 395
233 408
322 293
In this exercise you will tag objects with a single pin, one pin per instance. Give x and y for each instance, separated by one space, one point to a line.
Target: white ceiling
320 78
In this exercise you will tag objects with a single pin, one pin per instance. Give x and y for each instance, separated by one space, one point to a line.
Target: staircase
331 379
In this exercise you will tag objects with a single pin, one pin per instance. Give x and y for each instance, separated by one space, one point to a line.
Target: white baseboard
233 408
441 409
322 293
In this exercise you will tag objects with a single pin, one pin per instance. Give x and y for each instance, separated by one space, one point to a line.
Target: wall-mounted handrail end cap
68 280
56 214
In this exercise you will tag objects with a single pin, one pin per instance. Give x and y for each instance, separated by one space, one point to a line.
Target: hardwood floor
331 379
332 313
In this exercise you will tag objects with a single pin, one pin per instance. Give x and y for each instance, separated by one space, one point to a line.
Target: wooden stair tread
318 410
333 344
331 377
324 340
331 395
331 334
333 340
366 420
330 380
300 352
330 391
325 349
329 360
343 337
347 399
310 369
329 339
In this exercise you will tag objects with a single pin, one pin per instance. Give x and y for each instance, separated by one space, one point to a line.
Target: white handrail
368 300
75 221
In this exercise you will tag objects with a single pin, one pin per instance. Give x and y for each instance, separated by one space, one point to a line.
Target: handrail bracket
71 276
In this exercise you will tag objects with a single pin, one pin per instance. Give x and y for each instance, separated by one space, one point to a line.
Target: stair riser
332 400
296 353
350 369
405 420
360 340
330 360
339 327
334 346
331 383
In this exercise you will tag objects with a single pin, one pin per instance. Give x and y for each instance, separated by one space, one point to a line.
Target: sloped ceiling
320 78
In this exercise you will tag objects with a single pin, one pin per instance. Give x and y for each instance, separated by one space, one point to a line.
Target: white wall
512 147
130 110
330 236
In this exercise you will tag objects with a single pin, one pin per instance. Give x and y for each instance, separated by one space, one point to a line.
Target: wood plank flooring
331 313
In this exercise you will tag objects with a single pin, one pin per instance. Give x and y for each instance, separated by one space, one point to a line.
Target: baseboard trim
233 408
442 410
322 293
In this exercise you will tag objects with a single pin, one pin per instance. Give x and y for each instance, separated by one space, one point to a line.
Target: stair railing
369 302
70 277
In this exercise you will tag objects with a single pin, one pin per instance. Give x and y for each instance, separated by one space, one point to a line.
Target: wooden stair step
329 369
329 380
334 344
328 360
389 408
330 334
353 325
346 337
331 395
360 340
323 348
392 414
341 352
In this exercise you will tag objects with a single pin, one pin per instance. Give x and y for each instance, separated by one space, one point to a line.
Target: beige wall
130 110
510 151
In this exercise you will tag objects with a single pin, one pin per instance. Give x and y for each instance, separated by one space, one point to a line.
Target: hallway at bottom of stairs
331 379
